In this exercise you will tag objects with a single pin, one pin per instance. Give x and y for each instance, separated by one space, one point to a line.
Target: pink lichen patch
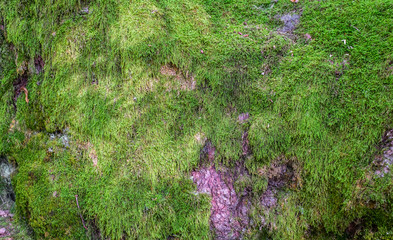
6 217
4 232
268 198
226 209
5 213
229 211
307 37
229 216
243 117
210 153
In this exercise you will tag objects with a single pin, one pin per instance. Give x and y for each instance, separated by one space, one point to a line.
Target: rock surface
229 212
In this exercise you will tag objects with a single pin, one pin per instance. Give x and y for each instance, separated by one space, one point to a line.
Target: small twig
26 94
80 214
355 28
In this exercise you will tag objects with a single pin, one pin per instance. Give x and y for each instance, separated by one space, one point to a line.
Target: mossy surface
115 117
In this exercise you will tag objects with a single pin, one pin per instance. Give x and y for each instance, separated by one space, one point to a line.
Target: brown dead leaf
168 70
26 94
12 125
185 80
262 171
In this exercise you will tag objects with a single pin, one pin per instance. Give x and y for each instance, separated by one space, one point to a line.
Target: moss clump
49 210
135 132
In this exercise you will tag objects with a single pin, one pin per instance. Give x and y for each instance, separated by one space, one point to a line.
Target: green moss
40 200
135 134
7 73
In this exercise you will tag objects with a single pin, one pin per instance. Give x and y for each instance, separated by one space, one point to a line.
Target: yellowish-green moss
135 133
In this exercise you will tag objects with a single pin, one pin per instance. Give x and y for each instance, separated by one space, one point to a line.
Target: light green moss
135 135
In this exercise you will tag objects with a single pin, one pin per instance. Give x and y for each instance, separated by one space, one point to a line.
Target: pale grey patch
65 141
384 163
290 22
242 118
7 195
